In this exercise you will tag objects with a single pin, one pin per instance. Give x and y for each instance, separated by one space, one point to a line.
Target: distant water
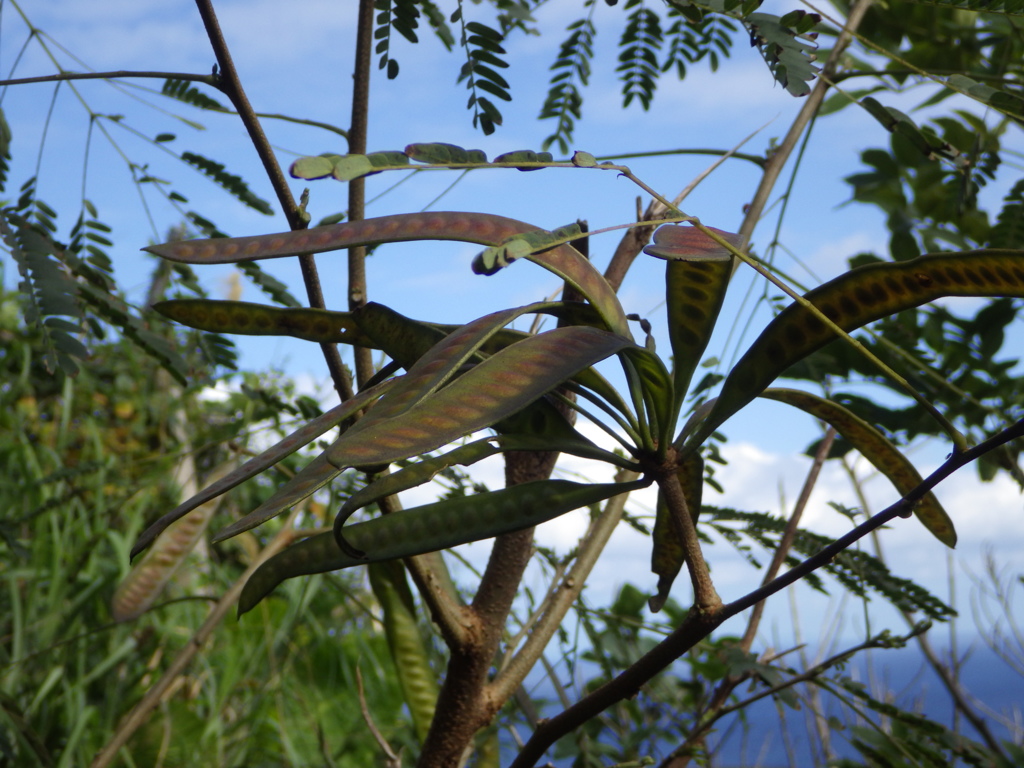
901 676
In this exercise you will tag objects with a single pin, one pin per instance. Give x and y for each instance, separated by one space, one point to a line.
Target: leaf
1005 101
319 325
431 528
1008 7
924 140
638 62
667 557
319 167
1008 231
788 57
563 101
269 284
5 150
228 181
878 450
183 91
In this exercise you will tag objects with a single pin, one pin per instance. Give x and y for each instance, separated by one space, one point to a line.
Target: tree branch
699 625
210 80
562 598
231 86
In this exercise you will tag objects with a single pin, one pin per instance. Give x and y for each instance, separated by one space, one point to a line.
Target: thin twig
120 74
392 760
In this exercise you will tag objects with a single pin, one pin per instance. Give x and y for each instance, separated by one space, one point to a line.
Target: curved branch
699 624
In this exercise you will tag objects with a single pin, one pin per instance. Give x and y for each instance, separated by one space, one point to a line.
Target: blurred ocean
759 737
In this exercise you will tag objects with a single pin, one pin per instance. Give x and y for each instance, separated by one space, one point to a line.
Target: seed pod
878 450
430 528
853 300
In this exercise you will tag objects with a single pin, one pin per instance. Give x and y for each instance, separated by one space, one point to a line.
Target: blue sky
295 59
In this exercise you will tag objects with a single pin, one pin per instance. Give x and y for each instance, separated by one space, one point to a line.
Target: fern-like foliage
5 150
482 45
71 288
270 285
563 102
856 570
53 304
638 61
787 45
438 22
228 181
402 16
1008 231
691 41
1008 7
184 91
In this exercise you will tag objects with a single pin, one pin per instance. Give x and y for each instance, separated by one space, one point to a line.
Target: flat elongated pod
430 528
424 470
405 641
861 296
493 390
667 557
685 242
314 476
250 319
280 450
148 577
486 229
877 449
694 292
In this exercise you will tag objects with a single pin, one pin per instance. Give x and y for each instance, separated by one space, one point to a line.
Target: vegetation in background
106 423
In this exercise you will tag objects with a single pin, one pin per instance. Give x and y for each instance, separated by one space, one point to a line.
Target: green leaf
788 56
853 300
430 528
184 91
349 167
878 450
319 167
228 181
